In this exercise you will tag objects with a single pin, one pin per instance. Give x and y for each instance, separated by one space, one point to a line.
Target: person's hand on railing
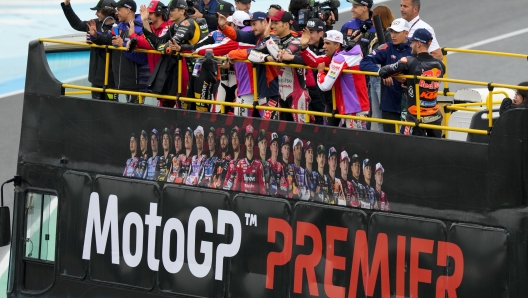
91 28
305 38
117 41
388 81
174 46
222 20
321 66
285 56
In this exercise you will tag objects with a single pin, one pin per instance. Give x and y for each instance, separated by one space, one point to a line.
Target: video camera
190 6
316 10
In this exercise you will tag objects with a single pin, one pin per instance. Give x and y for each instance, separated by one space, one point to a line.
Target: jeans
375 101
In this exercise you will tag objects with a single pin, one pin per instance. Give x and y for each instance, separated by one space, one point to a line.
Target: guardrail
179 96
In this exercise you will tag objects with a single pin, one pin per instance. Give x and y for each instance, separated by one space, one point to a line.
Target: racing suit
175 168
230 176
184 168
371 196
311 179
350 89
292 81
300 177
164 164
195 169
323 188
289 172
361 194
142 166
277 181
152 172
208 168
220 172
130 167
427 66
250 177
348 189
337 196
383 202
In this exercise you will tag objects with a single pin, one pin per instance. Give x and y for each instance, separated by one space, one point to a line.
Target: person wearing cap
420 64
175 162
337 195
310 174
322 192
267 83
277 185
359 30
143 158
359 188
369 189
300 174
292 81
249 170
165 160
152 172
352 98
386 54
133 161
103 23
243 5
381 196
207 9
410 10
208 167
222 163
198 159
230 176
130 69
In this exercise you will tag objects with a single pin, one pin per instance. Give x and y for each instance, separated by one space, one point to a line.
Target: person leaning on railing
425 65
519 101
351 96
103 23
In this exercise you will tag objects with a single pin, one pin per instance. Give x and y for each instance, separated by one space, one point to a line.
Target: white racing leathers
292 81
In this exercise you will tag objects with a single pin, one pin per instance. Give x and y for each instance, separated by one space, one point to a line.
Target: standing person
231 172
208 168
152 172
359 30
130 69
141 170
369 189
243 5
175 167
197 160
300 177
381 197
207 9
165 160
262 143
105 13
267 83
323 183
292 81
337 196
132 162
249 170
310 173
351 89
386 54
375 93
277 182
410 10
422 64
359 188
222 163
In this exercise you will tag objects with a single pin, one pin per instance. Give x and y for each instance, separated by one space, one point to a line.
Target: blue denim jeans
375 100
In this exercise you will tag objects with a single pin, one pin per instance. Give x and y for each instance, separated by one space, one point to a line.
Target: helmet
182 4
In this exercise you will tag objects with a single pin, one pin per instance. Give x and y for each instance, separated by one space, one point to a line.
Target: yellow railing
446 80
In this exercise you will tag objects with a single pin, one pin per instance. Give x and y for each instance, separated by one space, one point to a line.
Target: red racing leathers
250 177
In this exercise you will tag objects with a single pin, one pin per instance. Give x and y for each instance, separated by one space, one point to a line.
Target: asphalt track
457 24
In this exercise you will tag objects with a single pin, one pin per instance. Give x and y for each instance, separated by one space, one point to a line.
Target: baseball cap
333 35
297 141
257 16
213 130
238 18
367 3
154 132
285 140
321 149
307 145
156 6
165 131
244 1
379 167
182 4
282 16
144 134
315 24
177 132
261 135
422 35
126 3
199 129
400 25
274 137
237 130
366 163
226 8
103 4
332 151
133 135
355 158
249 131
191 131
344 155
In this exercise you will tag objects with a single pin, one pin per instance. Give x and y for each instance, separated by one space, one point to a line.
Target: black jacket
507 105
97 55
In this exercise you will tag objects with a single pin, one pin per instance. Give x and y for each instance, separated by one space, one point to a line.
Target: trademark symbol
251 219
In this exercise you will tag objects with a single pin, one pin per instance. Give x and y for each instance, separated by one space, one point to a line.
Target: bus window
41 226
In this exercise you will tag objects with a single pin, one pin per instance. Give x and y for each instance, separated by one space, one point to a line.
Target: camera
190 6
317 10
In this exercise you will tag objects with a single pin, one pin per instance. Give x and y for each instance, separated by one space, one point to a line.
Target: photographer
205 9
351 89
359 30
304 8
